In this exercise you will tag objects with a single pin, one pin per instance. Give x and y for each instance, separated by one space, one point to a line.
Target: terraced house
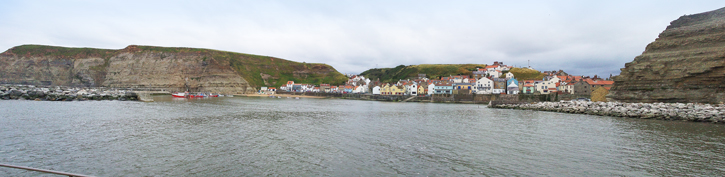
444 88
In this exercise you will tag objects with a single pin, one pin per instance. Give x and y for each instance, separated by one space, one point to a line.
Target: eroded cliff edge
684 64
174 69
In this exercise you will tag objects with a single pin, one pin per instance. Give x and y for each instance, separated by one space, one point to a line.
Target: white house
431 89
483 86
376 90
290 84
411 88
494 74
359 89
512 87
509 75
546 87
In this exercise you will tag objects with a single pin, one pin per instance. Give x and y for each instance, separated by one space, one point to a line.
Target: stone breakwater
29 92
665 111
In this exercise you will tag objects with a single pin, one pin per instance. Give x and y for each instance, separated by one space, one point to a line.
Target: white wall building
546 87
376 90
483 86
509 75
431 89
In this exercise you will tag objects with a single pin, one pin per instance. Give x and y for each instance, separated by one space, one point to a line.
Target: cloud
583 38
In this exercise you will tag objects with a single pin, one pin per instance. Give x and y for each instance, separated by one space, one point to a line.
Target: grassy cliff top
249 66
56 51
433 71
527 74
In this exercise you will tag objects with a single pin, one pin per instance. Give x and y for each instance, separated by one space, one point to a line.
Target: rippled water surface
315 137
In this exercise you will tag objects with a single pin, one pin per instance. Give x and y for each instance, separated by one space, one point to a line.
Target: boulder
16 93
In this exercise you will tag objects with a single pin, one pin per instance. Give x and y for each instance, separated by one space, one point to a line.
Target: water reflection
312 137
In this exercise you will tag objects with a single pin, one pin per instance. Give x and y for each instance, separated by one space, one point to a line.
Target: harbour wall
665 111
59 93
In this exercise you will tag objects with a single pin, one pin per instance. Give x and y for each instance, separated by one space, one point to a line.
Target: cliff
174 69
684 64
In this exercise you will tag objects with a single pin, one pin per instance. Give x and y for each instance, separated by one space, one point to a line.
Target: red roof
528 85
290 82
569 78
492 66
600 82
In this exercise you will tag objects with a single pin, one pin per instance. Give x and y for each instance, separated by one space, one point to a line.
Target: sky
579 37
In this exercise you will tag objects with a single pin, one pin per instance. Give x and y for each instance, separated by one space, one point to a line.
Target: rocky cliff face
686 63
174 69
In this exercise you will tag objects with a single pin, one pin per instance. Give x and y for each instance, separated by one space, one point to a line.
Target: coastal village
492 79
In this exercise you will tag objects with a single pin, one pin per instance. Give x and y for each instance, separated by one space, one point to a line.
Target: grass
433 71
62 52
527 74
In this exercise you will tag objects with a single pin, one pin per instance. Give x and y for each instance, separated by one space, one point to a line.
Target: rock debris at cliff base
665 111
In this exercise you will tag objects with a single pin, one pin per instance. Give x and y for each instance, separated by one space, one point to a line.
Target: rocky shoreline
30 92
665 111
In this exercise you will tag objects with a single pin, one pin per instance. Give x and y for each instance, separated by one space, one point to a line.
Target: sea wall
22 92
664 111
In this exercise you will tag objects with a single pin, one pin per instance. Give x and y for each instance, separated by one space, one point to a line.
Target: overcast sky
580 37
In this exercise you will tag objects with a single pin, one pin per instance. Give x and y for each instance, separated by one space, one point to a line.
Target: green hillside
527 74
433 71
247 65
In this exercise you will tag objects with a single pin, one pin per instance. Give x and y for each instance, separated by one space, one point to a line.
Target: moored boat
178 95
